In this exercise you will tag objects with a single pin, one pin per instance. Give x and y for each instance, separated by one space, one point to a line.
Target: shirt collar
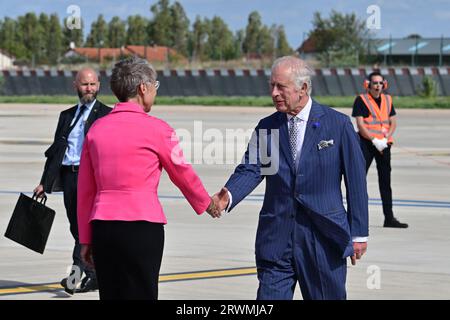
128 106
304 114
89 106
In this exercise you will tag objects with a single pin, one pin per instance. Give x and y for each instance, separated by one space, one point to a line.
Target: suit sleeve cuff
360 239
227 209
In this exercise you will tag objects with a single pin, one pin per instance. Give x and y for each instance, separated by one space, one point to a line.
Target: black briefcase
30 223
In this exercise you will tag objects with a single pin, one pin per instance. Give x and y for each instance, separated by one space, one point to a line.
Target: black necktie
82 108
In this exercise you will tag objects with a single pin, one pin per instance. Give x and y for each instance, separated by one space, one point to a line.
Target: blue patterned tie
293 136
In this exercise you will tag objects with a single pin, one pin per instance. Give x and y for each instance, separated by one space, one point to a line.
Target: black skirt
127 257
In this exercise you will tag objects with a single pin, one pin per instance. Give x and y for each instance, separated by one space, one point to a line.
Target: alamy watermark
73 21
374 279
214 147
74 277
373 22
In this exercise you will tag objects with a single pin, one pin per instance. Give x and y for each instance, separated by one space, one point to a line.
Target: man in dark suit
61 167
304 233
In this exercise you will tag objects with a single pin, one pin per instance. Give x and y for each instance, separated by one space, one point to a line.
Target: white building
6 61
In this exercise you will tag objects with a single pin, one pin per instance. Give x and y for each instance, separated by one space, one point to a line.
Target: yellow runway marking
197 275
31 289
207 274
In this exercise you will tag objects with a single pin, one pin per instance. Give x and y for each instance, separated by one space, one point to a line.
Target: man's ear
303 89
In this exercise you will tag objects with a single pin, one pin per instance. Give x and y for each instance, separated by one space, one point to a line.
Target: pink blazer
121 163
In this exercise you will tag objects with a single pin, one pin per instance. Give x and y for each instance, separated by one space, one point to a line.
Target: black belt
71 168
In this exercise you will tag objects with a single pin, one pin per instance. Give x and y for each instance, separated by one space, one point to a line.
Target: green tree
54 40
220 40
73 35
11 38
2 80
414 36
137 30
44 29
30 33
98 36
340 39
169 26
160 26
265 42
32 39
198 39
179 28
428 87
116 33
252 32
282 45
238 43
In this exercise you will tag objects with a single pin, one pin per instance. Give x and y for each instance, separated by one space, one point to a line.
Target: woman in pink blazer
120 218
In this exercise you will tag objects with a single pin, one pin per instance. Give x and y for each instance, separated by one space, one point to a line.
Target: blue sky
399 18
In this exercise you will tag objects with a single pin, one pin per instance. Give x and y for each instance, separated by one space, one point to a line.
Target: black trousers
69 183
127 257
383 162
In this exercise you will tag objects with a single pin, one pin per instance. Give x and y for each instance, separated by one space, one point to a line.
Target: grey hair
301 72
128 74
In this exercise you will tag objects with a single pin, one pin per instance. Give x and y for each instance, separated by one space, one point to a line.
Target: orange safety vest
378 120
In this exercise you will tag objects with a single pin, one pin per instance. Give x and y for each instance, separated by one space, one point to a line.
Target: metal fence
325 82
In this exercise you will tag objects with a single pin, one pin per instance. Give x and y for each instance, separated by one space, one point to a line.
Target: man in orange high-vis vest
376 121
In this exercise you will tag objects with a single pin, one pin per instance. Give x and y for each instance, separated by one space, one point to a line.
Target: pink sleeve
87 190
180 172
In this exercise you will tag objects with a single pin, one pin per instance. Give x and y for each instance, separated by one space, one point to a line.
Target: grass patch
414 102
161 100
216 101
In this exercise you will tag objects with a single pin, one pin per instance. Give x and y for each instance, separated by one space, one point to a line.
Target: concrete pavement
400 264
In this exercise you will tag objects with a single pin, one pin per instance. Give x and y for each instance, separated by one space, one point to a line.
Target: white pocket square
325 144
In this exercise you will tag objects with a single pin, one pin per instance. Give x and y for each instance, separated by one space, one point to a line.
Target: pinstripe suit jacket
314 186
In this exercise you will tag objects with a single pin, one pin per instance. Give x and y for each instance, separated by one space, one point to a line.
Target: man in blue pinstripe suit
304 232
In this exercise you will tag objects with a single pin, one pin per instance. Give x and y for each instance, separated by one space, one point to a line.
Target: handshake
219 202
380 144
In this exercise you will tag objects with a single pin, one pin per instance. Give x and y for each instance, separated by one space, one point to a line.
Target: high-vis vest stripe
377 123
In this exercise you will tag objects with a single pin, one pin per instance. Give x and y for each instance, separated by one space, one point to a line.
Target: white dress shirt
303 116
76 137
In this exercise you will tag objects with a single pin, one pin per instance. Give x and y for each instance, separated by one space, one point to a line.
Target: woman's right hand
213 210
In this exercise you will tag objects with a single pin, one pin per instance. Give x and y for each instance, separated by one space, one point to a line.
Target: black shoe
87 284
65 286
394 223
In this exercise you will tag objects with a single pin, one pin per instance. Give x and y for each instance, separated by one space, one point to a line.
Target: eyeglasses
155 84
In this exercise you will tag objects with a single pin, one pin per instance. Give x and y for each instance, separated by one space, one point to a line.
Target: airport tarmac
207 258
